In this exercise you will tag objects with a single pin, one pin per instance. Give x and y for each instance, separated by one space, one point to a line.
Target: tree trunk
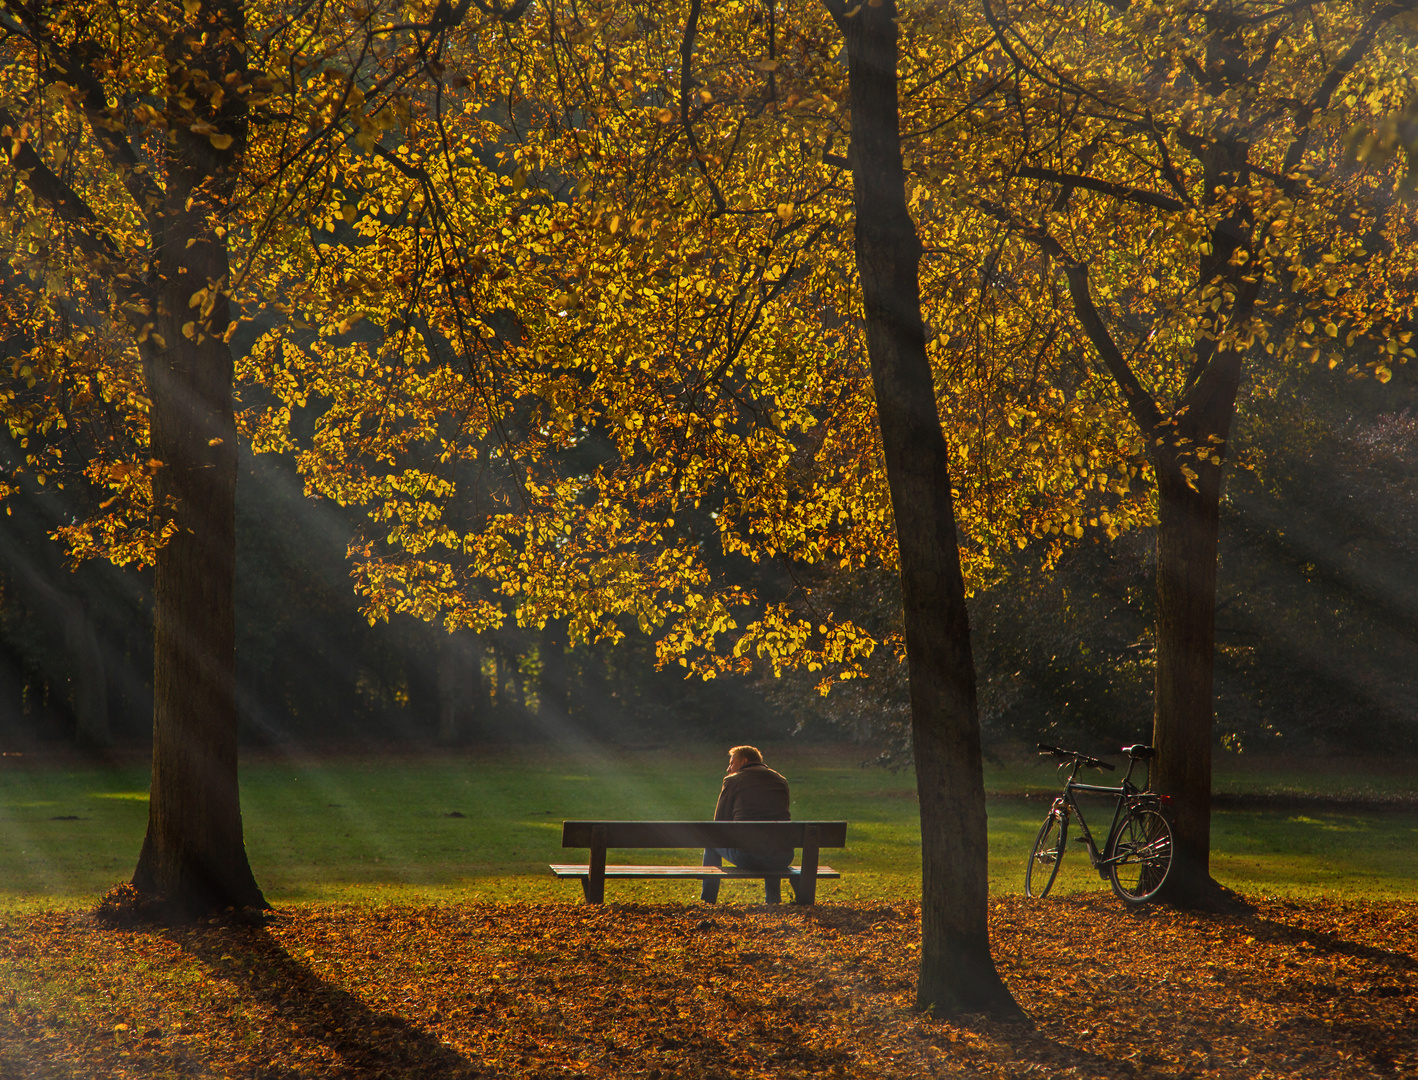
957 972
1188 535
1188 529
1188 543
193 854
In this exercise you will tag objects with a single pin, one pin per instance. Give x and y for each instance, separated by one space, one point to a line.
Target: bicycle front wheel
1141 856
1048 853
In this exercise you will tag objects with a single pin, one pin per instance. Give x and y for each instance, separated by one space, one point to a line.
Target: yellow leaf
221 142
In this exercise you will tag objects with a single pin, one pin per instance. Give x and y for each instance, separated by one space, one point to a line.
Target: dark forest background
1317 627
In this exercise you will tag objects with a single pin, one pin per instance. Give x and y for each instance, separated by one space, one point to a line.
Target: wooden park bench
810 836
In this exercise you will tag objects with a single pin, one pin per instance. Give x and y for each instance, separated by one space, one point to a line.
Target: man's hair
749 752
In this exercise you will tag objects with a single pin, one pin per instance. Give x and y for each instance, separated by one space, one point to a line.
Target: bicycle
1137 854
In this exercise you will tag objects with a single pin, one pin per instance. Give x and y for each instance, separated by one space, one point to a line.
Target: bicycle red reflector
1165 800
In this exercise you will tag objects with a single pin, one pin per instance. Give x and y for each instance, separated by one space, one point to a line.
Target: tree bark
1189 467
1188 544
1187 538
957 972
193 855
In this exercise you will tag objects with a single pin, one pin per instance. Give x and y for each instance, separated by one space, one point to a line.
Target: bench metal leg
807 879
594 883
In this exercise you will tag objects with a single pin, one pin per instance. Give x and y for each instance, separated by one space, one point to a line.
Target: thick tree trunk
1189 468
193 854
957 972
1187 540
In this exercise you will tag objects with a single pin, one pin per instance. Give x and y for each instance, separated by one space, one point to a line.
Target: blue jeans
748 860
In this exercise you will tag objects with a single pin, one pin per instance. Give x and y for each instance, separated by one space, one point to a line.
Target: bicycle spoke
1140 856
1046 856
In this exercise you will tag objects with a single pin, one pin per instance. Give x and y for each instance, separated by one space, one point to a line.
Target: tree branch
1319 101
1118 191
66 204
497 11
108 130
1143 407
686 60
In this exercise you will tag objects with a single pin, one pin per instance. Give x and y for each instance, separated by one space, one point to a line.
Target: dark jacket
754 793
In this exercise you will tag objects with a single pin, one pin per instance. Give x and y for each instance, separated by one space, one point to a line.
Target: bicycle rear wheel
1046 857
1140 856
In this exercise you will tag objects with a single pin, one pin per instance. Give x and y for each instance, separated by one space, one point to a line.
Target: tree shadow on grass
306 1006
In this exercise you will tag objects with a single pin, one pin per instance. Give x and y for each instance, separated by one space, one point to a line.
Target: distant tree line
76 651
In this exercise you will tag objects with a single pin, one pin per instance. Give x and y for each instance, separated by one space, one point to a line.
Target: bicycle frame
1129 797
1137 854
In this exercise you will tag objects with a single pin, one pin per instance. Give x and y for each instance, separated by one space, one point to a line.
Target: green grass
1232 774
378 828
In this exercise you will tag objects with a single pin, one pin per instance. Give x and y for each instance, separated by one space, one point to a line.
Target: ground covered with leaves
1313 989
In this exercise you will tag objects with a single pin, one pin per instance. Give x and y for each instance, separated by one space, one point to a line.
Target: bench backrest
690 834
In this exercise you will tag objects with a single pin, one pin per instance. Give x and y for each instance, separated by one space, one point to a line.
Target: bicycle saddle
1140 752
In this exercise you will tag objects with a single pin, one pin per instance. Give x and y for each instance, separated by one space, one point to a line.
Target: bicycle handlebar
1074 755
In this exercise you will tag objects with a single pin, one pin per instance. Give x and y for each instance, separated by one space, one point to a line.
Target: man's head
740 756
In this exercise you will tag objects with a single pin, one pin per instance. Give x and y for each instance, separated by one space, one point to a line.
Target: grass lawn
483 825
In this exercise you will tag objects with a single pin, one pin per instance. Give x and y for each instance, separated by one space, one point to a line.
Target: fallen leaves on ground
1294 989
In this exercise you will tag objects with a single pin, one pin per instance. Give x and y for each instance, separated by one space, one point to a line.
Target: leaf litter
1293 989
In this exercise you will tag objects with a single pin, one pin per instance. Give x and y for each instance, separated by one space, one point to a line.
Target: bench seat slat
757 835
575 870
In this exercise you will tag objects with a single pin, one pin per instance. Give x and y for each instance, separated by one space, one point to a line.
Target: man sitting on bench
751 792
